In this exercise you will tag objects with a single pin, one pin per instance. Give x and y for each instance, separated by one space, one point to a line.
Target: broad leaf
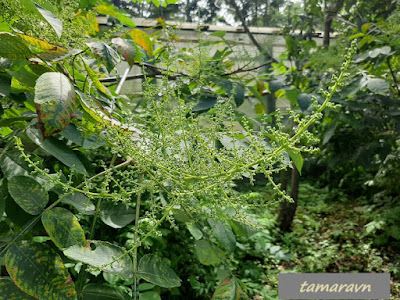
205 103
63 228
206 253
104 53
149 295
377 85
39 271
9 291
11 46
105 256
103 292
127 50
195 231
116 215
143 40
154 270
304 101
229 289
58 149
96 82
80 202
28 194
54 22
55 102
5 86
224 234
296 158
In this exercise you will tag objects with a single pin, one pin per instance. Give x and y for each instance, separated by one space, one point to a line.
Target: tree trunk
288 209
327 29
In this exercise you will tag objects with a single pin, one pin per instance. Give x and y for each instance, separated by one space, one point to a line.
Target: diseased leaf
103 292
143 40
9 291
96 82
126 49
11 46
63 228
55 102
39 271
104 53
105 256
154 270
58 149
206 253
229 289
28 194
116 216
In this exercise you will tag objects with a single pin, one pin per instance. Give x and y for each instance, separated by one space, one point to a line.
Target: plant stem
393 75
138 199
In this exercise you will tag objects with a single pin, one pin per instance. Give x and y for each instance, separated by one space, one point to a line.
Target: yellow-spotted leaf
43 48
55 102
96 82
105 256
9 291
143 40
229 289
28 194
38 271
63 228
12 46
154 270
107 55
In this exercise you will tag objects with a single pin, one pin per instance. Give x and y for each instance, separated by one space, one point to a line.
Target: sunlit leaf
296 158
63 228
154 270
39 271
143 40
105 256
127 50
28 194
55 102
96 82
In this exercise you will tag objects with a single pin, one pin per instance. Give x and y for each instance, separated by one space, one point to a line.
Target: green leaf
219 34
96 82
105 53
63 228
58 149
195 231
242 229
9 291
229 289
104 256
150 295
103 292
11 46
224 234
206 253
292 95
275 85
81 203
377 85
127 50
378 51
55 102
296 158
116 215
205 103
39 271
154 270
304 101
54 22
28 194
5 86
